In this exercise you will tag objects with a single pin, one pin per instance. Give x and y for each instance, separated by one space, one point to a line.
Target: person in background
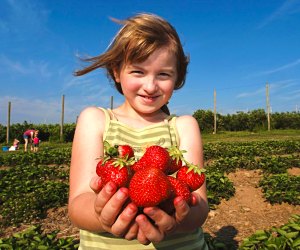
147 63
36 142
15 145
28 137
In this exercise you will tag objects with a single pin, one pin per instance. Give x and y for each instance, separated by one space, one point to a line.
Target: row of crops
32 183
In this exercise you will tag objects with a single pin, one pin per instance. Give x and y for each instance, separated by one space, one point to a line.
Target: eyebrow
168 69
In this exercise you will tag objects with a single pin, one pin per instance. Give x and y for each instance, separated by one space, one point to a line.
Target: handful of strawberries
149 179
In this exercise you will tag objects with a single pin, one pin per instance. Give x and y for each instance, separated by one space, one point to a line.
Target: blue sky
235 47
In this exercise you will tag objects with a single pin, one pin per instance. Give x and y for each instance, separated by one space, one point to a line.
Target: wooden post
62 117
8 122
215 111
268 106
111 102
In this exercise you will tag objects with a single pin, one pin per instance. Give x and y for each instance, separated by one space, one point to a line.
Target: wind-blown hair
139 37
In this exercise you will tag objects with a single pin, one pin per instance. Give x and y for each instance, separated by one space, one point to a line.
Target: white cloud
289 7
281 68
252 93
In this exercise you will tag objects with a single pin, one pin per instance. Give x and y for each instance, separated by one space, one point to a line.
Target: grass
244 136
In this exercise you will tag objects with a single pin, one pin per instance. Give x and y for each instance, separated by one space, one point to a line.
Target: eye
164 75
136 72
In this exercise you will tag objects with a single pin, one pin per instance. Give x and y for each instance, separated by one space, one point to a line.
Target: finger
114 206
162 220
124 220
132 232
181 209
96 184
149 231
104 196
194 200
142 238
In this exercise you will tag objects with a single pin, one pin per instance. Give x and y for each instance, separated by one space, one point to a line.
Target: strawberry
192 175
177 159
121 151
154 157
114 169
178 188
125 151
149 187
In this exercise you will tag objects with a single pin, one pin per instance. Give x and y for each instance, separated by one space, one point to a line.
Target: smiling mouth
149 97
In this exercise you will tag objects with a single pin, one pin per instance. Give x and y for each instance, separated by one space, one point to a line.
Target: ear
116 74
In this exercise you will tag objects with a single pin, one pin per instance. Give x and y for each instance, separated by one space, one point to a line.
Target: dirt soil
231 222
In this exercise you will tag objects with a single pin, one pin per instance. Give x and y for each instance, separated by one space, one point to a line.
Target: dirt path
247 211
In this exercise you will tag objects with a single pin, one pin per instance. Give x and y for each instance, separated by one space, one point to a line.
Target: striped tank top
165 135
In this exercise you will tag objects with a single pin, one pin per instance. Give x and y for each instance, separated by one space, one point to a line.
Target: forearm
82 212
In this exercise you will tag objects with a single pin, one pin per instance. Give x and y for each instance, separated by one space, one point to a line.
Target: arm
86 148
190 140
89 210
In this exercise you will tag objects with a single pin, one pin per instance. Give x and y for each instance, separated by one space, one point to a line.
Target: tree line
255 120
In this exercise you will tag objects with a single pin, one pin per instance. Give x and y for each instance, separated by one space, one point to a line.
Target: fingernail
178 201
130 210
121 195
110 187
99 182
150 211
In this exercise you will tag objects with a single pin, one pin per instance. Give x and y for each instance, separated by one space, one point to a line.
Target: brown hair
139 37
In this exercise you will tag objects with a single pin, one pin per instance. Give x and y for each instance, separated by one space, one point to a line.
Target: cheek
168 88
129 85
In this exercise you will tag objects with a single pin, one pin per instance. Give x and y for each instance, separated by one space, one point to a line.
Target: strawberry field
34 192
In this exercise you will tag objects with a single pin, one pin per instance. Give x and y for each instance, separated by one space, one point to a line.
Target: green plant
34 238
280 188
285 237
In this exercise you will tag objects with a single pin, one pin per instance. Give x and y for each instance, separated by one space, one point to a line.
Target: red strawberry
114 169
121 151
154 157
178 188
149 187
192 175
177 159
125 151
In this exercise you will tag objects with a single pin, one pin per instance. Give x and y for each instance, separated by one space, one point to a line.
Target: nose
150 85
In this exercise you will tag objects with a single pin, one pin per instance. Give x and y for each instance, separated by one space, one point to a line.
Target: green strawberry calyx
195 168
176 154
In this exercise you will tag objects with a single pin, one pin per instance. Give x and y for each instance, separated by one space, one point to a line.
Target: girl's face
147 86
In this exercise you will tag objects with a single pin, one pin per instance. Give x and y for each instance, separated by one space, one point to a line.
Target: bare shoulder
91 117
188 131
91 112
186 122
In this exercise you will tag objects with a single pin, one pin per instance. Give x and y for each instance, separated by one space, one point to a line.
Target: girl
146 61
36 142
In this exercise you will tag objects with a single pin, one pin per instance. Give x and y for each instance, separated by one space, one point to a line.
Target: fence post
215 111
268 106
8 122
62 117
111 102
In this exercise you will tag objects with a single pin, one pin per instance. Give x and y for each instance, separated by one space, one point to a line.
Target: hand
163 224
113 211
